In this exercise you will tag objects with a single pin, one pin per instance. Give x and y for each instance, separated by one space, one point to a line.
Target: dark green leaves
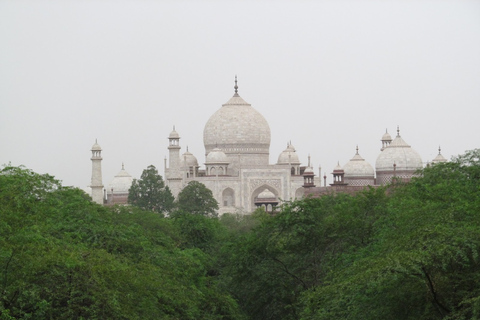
195 198
150 192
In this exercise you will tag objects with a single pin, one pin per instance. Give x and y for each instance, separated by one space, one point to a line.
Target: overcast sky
326 75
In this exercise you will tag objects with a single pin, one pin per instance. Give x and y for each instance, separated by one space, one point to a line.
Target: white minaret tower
97 185
173 174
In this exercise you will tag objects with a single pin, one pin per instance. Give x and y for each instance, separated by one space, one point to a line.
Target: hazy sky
326 75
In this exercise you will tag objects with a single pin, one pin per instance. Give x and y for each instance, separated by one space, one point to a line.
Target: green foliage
150 193
238 224
408 251
64 257
423 260
296 250
195 198
197 231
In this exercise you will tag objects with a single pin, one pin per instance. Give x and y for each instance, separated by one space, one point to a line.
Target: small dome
288 156
338 168
386 136
439 157
121 183
88 190
174 134
265 194
308 171
400 153
191 160
357 167
96 146
217 156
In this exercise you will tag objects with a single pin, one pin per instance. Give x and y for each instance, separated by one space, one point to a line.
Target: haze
326 75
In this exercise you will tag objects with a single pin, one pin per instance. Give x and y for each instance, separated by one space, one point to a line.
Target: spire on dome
398 131
439 157
357 149
123 167
236 87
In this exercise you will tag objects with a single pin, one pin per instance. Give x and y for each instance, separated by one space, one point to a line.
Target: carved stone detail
255 183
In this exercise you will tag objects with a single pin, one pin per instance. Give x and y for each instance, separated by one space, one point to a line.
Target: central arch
260 189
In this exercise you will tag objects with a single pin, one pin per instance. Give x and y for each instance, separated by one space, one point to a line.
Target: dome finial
439 150
123 167
309 160
357 148
236 86
398 130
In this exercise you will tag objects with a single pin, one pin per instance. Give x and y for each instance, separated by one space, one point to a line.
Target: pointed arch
228 197
300 193
260 189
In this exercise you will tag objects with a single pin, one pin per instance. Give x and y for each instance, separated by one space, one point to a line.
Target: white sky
327 75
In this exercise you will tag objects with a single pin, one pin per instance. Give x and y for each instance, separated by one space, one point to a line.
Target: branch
5 273
291 274
432 290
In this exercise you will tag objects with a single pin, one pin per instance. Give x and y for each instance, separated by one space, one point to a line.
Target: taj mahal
237 169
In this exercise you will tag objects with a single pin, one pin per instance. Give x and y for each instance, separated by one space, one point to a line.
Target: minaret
174 176
174 153
97 185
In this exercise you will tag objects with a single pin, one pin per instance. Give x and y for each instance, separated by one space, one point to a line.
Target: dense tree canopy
405 251
150 192
196 198
64 257
410 251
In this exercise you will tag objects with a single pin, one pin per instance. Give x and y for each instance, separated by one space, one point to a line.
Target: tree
195 198
150 192
424 260
63 256
295 250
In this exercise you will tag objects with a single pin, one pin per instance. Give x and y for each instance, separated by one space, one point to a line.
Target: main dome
237 129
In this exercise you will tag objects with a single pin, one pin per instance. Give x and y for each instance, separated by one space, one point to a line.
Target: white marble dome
338 167
188 160
217 156
88 190
174 134
308 171
386 136
288 156
400 153
237 128
121 183
439 157
357 167
96 146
